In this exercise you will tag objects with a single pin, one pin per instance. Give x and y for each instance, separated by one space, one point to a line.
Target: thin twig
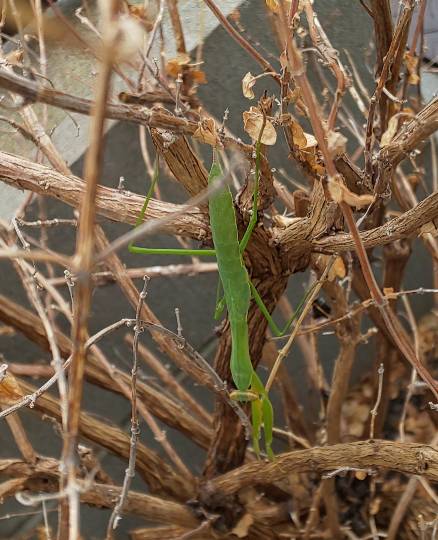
241 40
374 410
135 427
309 302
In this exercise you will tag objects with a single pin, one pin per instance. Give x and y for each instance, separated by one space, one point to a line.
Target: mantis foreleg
162 251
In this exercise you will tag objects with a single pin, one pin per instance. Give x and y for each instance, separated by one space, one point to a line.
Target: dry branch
159 476
44 475
297 495
160 405
406 458
111 203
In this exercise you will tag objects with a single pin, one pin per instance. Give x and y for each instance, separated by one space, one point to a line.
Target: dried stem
69 517
116 515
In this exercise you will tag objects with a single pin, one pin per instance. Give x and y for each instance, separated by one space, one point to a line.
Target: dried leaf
338 267
10 390
247 84
206 132
143 13
243 525
337 270
313 161
311 141
293 95
199 76
336 143
252 124
299 137
411 62
274 5
174 65
390 131
307 146
340 193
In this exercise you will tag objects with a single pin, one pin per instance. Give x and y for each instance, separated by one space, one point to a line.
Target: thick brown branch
157 117
116 205
185 165
159 476
400 227
411 135
407 458
45 474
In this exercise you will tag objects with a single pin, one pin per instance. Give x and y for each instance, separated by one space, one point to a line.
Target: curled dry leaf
311 141
338 267
10 390
294 96
411 62
235 15
301 139
307 146
174 65
146 14
199 76
340 193
274 5
247 84
206 132
252 124
337 270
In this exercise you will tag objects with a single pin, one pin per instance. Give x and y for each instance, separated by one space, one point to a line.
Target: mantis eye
248 395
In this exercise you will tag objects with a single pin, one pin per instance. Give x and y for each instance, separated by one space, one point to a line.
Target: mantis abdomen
234 278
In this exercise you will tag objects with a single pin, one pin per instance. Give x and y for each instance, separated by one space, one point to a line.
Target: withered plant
356 205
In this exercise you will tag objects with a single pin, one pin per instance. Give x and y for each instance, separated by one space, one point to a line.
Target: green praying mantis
238 289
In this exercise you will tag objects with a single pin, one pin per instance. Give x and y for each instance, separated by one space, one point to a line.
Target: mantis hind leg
262 415
272 324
